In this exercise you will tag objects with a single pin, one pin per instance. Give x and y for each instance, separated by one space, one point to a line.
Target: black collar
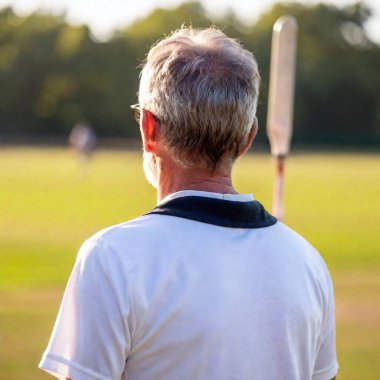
219 212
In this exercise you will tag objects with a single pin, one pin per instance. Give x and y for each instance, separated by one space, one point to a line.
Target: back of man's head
203 88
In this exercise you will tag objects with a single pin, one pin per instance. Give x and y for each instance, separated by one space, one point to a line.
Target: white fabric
226 197
162 297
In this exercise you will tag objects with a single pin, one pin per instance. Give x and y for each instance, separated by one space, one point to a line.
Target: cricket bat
281 101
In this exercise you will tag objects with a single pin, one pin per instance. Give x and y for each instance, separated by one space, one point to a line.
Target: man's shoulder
134 235
300 250
292 237
130 228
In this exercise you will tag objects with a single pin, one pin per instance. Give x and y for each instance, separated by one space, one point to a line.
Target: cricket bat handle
278 189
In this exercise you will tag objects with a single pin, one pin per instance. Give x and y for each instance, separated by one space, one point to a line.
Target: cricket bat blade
281 85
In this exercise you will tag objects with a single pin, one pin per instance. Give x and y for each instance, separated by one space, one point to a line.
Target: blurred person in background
82 139
208 285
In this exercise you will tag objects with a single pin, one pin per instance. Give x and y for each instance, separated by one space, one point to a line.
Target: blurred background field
61 62
48 207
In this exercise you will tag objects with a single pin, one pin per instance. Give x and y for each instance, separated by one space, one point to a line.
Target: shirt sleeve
91 337
326 364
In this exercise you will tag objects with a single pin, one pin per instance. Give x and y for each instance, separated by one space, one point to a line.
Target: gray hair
203 87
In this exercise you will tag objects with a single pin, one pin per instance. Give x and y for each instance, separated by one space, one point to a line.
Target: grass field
47 208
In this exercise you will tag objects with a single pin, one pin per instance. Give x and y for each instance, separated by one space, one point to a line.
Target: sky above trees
104 16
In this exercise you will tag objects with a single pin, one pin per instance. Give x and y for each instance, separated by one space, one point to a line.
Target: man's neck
173 178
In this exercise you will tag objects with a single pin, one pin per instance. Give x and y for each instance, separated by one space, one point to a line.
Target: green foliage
164 21
335 103
53 73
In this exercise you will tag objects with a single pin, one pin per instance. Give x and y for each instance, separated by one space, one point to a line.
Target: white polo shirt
205 287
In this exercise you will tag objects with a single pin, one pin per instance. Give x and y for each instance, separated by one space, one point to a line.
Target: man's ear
251 136
150 131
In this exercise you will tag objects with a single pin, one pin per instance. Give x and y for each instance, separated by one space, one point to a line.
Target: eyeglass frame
136 113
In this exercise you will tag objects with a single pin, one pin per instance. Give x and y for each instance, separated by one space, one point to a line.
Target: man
208 285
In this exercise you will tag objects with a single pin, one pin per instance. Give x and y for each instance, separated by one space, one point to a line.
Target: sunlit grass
48 207
331 199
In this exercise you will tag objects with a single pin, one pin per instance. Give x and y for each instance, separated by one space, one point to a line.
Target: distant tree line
53 74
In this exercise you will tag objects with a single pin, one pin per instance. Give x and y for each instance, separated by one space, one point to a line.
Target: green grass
47 209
